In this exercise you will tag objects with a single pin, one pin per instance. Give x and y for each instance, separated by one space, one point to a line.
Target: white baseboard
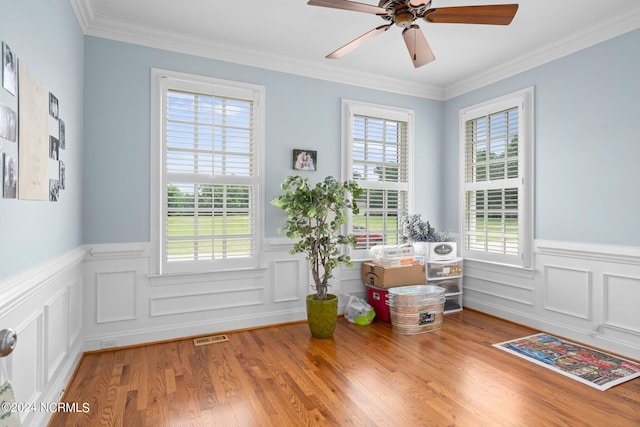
157 334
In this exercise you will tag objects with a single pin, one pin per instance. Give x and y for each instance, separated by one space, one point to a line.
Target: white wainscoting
585 292
44 307
125 304
101 296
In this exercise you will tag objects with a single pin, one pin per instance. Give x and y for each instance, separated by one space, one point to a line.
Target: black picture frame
53 106
304 160
10 177
54 148
62 134
63 175
9 70
54 190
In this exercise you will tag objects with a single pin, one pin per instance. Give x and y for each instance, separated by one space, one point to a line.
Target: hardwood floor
363 376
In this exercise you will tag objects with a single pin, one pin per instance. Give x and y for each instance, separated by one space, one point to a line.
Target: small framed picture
61 133
10 177
63 175
9 69
305 160
8 122
54 148
54 190
53 105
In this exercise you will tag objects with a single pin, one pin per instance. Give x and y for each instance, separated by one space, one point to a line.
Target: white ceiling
291 36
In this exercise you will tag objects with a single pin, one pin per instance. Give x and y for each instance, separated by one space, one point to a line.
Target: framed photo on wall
54 148
9 69
305 160
62 134
54 190
10 178
8 123
63 175
53 105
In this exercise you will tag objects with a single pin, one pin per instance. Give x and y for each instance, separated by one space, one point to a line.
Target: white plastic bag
358 311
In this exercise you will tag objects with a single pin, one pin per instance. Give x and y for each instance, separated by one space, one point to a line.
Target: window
206 193
377 146
497 180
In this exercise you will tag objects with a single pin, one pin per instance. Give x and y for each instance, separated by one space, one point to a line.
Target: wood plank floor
363 376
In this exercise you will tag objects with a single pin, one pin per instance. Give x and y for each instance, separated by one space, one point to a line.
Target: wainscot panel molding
43 305
588 293
125 304
568 291
494 288
288 276
350 283
240 296
116 295
56 333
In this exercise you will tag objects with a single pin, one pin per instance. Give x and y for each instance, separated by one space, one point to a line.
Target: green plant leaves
315 216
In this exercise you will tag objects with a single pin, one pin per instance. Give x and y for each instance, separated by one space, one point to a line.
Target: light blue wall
586 137
300 113
587 186
45 35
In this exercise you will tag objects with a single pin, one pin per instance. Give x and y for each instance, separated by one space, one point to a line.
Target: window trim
156 211
524 100
349 108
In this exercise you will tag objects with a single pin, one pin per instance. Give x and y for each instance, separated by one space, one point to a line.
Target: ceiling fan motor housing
403 12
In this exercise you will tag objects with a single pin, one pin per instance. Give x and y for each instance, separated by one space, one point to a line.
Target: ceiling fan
404 13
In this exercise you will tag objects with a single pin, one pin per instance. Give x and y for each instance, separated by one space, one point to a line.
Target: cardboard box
376 275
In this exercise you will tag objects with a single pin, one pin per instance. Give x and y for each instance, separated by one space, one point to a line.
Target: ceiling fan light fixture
417 45
404 19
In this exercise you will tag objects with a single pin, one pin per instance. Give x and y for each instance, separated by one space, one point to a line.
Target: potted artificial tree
315 215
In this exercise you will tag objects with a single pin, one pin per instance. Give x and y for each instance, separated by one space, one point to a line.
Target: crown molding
104 27
84 11
563 47
93 24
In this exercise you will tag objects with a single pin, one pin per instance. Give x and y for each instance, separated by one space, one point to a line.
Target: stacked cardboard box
391 268
390 277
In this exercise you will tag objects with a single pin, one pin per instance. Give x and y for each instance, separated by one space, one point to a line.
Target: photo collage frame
24 127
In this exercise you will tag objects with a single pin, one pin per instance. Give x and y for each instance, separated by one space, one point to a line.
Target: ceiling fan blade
417 45
348 5
340 52
499 14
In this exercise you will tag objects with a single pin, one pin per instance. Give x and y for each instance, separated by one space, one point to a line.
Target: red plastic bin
378 300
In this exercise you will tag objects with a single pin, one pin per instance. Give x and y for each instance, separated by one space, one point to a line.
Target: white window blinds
210 179
496 191
379 159
491 181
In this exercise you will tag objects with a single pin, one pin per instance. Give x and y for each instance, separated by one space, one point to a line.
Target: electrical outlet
108 344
